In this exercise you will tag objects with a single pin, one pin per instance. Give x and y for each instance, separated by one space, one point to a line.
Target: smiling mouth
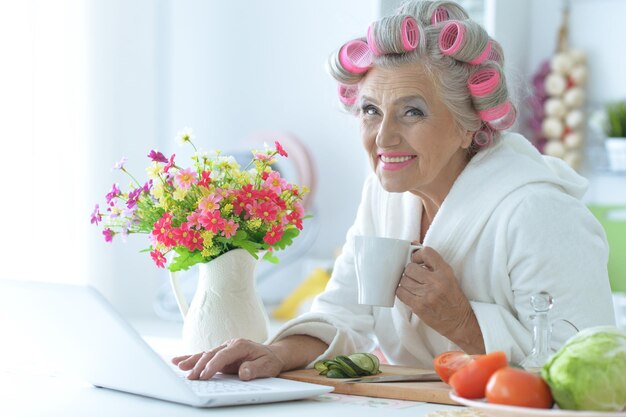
396 162
396 159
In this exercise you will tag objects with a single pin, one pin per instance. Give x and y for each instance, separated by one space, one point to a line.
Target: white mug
379 263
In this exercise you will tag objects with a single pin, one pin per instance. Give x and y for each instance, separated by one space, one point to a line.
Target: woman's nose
387 135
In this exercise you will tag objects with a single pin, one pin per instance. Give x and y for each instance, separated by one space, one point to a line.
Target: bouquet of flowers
200 212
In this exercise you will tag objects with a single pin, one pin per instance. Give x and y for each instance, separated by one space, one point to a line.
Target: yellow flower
154 170
165 203
207 238
158 191
210 252
254 224
227 209
179 194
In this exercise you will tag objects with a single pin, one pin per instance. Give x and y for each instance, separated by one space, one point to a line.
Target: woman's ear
467 139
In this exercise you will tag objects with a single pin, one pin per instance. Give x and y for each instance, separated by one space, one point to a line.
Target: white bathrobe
512 225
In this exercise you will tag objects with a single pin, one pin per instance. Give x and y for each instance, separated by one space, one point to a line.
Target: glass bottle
541 303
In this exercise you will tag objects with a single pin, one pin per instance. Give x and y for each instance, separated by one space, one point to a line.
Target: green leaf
251 247
287 239
185 259
270 257
240 236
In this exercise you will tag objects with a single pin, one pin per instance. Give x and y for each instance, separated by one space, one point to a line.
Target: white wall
239 68
597 27
125 61
228 70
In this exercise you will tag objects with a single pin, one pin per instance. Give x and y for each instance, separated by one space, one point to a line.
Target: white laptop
80 324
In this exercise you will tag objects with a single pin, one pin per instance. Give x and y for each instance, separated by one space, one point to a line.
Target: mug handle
178 294
413 247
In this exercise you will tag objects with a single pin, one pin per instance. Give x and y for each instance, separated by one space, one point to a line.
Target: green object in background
613 219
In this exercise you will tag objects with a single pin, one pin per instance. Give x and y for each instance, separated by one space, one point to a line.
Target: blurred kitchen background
84 83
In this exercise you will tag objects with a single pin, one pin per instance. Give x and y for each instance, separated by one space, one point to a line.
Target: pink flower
157 156
158 258
186 178
194 219
281 151
147 187
194 241
265 211
295 219
209 203
230 228
212 221
181 234
96 216
170 164
108 235
275 183
162 230
115 192
273 235
298 208
261 156
205 179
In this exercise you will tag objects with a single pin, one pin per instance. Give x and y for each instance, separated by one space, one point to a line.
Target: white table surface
29 388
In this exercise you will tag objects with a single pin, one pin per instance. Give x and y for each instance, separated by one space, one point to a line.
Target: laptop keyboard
222 386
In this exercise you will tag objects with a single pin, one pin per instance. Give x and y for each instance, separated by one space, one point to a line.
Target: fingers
198 370
411 283
189 362
178 359
428 257
236 351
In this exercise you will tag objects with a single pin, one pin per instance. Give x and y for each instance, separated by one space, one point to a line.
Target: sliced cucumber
347 366
336 373
357 364
365 362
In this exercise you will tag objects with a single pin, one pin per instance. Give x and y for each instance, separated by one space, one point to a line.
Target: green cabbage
589 371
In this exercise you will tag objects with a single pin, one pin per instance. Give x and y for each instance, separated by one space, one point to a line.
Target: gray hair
450 71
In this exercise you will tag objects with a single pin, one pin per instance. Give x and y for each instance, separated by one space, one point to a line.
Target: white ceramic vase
226 304
616 151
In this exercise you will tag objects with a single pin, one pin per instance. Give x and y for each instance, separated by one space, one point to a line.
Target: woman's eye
369 110
413 112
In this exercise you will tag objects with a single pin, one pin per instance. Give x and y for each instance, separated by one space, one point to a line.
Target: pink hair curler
405 41
496 112
494 55
504 122
483 82
371 42
355 57
410 34
451 37
483 55
440 15
347 93
483 137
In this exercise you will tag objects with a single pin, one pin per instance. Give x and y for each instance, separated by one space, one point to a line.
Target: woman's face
410 135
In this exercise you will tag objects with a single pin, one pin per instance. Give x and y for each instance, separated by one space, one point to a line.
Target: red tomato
447 363
513 386
471 380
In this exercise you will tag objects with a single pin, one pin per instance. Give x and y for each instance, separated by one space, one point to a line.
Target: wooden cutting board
432 392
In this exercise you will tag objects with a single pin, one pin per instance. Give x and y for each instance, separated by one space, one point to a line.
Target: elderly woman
498 221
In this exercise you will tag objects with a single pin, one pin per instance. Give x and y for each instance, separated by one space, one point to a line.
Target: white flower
185 135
